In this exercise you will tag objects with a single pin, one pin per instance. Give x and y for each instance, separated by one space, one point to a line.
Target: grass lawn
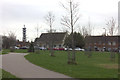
8 76
21 51
6 51
98 66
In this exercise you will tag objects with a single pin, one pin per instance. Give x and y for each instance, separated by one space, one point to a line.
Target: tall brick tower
24 34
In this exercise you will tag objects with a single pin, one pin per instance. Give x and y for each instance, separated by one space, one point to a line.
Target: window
114 43
99 43
103 43
109 43
54 46
94 43
90 43
59 46
44 45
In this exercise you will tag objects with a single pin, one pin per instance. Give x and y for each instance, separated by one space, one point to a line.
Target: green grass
21 51
85 68
6 51
7 76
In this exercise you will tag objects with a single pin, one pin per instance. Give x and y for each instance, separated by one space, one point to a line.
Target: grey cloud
21 12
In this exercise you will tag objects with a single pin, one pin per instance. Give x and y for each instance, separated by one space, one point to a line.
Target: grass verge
6 51
8 76
85 68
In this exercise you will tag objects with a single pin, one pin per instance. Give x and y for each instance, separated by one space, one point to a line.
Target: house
22 44
55 39
102 43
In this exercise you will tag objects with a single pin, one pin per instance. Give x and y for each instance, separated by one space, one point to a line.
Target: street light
105 38
105 31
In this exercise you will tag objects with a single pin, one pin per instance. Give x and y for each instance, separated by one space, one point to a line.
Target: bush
31 48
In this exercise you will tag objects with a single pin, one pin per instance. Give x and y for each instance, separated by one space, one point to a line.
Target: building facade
102 43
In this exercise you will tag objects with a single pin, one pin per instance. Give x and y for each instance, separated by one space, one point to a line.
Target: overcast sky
15 13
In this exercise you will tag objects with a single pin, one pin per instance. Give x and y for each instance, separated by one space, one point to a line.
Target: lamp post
105 31
105 38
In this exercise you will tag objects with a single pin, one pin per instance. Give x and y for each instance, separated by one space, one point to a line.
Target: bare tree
84 31
70 21
5 44
37 30
9 41
89 28
50 18
12 39
111 25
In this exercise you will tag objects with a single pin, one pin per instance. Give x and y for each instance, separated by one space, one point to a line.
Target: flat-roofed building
102 43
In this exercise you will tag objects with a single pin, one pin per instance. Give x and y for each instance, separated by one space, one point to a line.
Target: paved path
16 64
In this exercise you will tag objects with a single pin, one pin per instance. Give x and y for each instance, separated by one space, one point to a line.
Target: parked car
61 49
79 49
24 47
16 47
42 48
67 49
70 49
56 49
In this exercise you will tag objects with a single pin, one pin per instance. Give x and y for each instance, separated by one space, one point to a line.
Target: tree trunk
51 45
73 51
